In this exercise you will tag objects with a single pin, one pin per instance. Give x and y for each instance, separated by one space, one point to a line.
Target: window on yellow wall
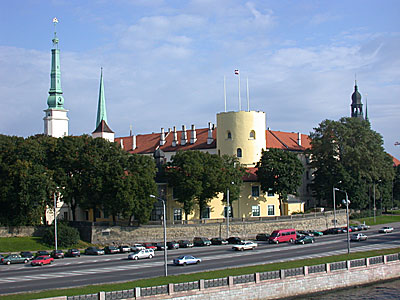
255 209
177 214
205 214
252 135
255 191
271 210
239 152
228 135
270 193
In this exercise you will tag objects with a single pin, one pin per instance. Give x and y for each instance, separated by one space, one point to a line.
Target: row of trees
88 173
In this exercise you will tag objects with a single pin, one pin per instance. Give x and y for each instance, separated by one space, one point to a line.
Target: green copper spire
101 108
55 99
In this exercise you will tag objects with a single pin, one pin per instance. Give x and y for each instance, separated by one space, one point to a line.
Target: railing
203 284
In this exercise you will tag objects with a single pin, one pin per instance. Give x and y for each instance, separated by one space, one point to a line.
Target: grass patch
384 219
196 276
18 244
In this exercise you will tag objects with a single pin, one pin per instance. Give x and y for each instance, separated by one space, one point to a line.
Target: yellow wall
240 124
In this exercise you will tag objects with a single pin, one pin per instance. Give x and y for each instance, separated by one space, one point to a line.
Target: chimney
184 136
299 138
193 137
122 143
162 138
133 142
175 140
209 138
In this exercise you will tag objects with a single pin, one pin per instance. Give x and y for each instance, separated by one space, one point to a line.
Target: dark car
27 254
111 250
57 254
305 239
172 245
201 241
234 240
185 244
42 253
218 241
14 259
93 251
160 246
73 253
332 231
262 237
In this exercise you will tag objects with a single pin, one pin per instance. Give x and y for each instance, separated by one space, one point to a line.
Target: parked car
353 228
262 237
234 240
14 259
317 233
246 245
111 250
305 239
73 253
124 248
386 229
42 260
57 254
201 241
344 229
364 227
186 260
42 253
150 246
218 241
305 232
146 253
185 244
173 245
94 251
333 231
27 254
358 237
136 247
283 235
159 246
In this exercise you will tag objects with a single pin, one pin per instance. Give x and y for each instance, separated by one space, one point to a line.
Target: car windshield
274 234
181 257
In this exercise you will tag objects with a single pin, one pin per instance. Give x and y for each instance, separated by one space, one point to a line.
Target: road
86 270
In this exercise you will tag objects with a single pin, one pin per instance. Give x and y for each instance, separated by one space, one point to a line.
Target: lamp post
334 205
347 202
374 205
228 211
165 234
55 221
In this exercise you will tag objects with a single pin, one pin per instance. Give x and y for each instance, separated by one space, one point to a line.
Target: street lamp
165 234
55 221
334 205
347 202
228 211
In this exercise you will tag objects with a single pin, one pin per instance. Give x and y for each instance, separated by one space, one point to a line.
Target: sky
164 62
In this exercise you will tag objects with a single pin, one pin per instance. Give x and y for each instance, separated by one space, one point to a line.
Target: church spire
102 128
55 99
356 105
101 108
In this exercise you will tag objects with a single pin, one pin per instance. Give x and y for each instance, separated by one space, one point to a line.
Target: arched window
239 152
228 135
252 135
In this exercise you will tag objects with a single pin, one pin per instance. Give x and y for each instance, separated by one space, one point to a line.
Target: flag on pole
397 143
55 20
236 72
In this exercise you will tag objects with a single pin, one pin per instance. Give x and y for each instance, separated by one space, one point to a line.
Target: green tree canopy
348 155
280 172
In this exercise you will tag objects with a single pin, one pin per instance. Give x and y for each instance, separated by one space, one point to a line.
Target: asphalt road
73 272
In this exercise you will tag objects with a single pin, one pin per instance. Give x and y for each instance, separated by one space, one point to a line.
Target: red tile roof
286 140
396 162
250 175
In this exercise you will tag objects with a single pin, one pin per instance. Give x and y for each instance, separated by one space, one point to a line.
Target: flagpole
240 102
225 92
248 97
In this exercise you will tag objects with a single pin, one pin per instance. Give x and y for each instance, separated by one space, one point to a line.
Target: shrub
66 235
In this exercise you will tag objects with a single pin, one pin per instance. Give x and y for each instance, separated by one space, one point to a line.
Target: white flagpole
240 102
248 97
225 92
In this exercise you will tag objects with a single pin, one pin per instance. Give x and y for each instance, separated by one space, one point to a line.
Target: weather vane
55 39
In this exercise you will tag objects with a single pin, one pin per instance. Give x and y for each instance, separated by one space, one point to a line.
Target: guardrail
203 284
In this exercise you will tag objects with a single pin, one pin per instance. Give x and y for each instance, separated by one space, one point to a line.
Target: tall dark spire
356 105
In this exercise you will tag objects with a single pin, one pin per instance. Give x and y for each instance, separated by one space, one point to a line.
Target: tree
347 154
233 173
396 186
280 172
66 236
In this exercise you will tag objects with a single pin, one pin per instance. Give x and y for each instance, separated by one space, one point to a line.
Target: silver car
358 237
146 253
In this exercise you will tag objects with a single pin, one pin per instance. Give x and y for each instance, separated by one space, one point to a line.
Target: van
282 235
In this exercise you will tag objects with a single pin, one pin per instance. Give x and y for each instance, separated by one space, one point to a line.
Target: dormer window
252 135
229 135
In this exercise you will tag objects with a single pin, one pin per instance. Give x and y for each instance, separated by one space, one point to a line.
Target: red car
150 246
42 260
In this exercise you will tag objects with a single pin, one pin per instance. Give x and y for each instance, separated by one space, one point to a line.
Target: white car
386 229
245 245
186 260
146 253
358 237
137 247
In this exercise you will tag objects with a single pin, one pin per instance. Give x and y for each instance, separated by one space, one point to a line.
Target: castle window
252 135
255 191
239 152
229 135
271 210
205 214
255 210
